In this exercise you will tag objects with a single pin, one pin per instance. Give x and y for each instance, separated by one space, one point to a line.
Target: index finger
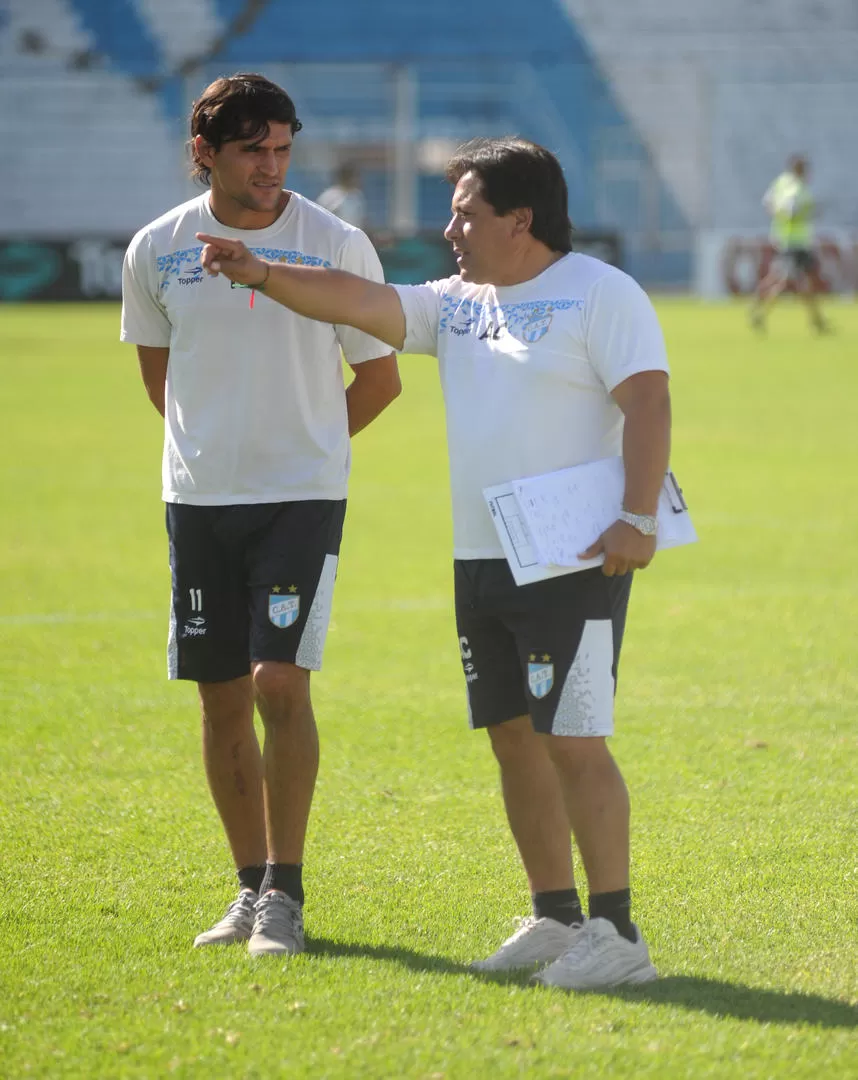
219 242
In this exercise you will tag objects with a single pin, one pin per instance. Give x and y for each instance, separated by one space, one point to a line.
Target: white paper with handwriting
544 521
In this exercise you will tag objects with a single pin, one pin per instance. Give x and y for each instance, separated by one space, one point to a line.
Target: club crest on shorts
537 328
540 675
283 610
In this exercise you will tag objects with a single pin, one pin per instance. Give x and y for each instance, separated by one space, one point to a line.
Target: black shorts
796 262
549 649
250 583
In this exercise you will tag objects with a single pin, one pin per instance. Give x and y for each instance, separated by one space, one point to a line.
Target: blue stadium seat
120 35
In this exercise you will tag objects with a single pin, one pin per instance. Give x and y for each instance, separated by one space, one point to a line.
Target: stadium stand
92 154
180 28
666 117
110 85
722 93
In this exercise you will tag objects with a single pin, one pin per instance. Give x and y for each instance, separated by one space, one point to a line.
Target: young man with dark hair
548 359
256 461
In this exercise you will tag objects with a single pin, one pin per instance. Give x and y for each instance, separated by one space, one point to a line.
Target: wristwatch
644 523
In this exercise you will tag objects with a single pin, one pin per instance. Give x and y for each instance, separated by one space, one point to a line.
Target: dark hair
515 173
238 107
348 174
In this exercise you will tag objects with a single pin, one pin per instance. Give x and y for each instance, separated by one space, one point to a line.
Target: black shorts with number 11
249 583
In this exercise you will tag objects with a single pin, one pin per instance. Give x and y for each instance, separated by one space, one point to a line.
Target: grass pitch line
74 617
430 603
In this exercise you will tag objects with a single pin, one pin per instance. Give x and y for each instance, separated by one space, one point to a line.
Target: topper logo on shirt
191 276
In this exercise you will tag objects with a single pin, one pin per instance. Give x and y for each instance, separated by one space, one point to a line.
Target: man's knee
280 687
226 705
574 757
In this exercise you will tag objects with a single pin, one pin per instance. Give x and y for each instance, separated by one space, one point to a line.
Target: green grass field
736 727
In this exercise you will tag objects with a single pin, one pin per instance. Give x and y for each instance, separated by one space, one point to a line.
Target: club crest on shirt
540 676
537 328
283 610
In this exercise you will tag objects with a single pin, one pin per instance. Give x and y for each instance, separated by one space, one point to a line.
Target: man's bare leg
597 804
809 292
234 769
290 756
610 950
290 760
534 803
769 289
537 817
233 766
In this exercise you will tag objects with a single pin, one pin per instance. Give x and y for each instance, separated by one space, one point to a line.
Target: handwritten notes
544 522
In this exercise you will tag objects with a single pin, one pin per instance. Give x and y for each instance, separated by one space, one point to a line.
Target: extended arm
153 368
332 296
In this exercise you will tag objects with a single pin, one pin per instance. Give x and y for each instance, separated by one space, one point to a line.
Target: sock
616 907
562 905
250 877
286 877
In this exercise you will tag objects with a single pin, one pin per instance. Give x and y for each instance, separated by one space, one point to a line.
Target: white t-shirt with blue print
527 373
256 408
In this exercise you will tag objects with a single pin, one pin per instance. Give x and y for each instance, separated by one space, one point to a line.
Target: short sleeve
144 320
358 256
421 305
622 330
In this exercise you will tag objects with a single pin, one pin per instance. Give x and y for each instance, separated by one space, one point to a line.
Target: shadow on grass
405 957
742 1002
722 999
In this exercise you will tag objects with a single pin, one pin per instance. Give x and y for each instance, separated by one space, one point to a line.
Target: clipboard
544 521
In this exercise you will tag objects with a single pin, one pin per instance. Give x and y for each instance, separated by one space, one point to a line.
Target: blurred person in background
790 204
344 197
548 359
256 461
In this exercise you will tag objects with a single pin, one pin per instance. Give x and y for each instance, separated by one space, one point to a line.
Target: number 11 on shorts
196 599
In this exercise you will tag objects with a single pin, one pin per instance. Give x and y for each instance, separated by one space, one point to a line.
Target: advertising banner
730 263
90 268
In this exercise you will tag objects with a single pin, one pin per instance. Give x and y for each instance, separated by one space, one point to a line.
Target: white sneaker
536 941
278 927
599 958
236 925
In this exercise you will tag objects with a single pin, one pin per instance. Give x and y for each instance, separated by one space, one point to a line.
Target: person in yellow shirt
791 206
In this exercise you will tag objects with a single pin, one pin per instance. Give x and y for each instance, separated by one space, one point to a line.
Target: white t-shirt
256 408
527 372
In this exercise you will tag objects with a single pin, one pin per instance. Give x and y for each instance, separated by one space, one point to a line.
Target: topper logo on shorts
540 675
283 610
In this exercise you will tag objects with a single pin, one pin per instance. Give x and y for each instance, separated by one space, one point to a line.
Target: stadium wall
108 87
90 268
670 119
